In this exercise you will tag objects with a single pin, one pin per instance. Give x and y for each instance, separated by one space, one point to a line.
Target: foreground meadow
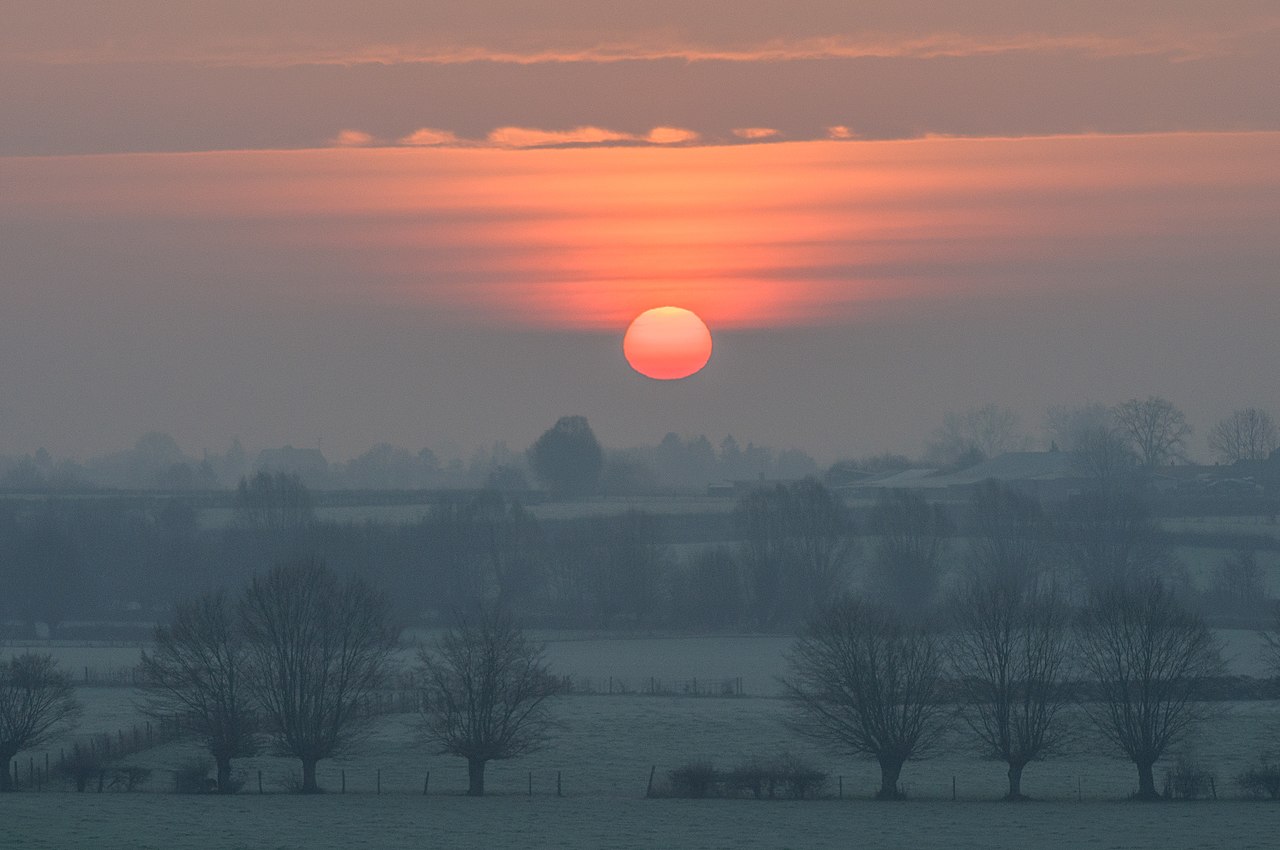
167 822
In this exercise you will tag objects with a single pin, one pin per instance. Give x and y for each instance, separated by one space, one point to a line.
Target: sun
667 343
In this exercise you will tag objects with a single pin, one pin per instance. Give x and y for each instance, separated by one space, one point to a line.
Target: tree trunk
309 785
6 771
1015 781
224 775
890 768
1146 781
475 777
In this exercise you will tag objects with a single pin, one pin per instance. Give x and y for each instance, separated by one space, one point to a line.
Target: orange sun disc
667 343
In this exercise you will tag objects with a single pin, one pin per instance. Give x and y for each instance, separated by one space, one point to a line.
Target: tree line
290 663
764 566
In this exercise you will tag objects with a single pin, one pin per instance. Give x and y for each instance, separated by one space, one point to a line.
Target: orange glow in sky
667 343
754 236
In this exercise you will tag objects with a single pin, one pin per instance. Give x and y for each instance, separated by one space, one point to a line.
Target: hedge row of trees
293 664
766 566
1014 657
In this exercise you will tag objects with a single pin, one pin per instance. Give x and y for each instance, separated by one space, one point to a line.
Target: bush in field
785 776
796 778
1262 780
128 777
697 780
1188 780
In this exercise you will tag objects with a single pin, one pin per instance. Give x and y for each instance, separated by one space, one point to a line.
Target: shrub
752 777
128 777
798 778
1262 780
696 779
1188 780
785 775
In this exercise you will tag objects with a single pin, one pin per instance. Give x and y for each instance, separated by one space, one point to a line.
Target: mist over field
602 425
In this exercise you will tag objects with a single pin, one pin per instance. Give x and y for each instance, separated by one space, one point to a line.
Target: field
601 756
155 822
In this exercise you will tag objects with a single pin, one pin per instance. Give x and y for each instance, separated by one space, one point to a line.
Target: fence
91 757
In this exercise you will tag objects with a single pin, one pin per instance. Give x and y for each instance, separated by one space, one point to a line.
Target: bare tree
976 435
1247 434
864 680
1010 652
1157 430
37 703
1149 659
317 649
1110 535
486 692
911 537
1065 425
797 545
1102 455
274 503
196 672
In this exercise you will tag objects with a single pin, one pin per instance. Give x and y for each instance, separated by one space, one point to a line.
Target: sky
338 224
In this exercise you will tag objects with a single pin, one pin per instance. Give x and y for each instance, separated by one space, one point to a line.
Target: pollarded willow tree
797 541
1011 644
862 679
1150 660
1011 652
912 536
37 703
196 672
486 693
317 648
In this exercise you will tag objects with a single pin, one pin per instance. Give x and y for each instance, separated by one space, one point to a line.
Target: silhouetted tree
797 540
865 681
37 703
1110 535
1010 650
975 435
1149 658
486 692
1157 430
1102 455
567 458
1066 426
1248 434
911 538
317 648
273 502
506 543
711 591
196 672
45 579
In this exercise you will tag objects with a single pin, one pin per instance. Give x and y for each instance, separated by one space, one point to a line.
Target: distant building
308 464
1050 476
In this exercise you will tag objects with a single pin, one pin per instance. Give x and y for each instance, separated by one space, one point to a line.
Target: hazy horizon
306 226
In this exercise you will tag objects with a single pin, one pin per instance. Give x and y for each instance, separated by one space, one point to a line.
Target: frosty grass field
602 753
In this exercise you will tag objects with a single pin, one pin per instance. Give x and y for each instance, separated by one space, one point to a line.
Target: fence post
379 781
841 793
259 781
648 790
425 782
558 783
953 789
531 783
344 781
